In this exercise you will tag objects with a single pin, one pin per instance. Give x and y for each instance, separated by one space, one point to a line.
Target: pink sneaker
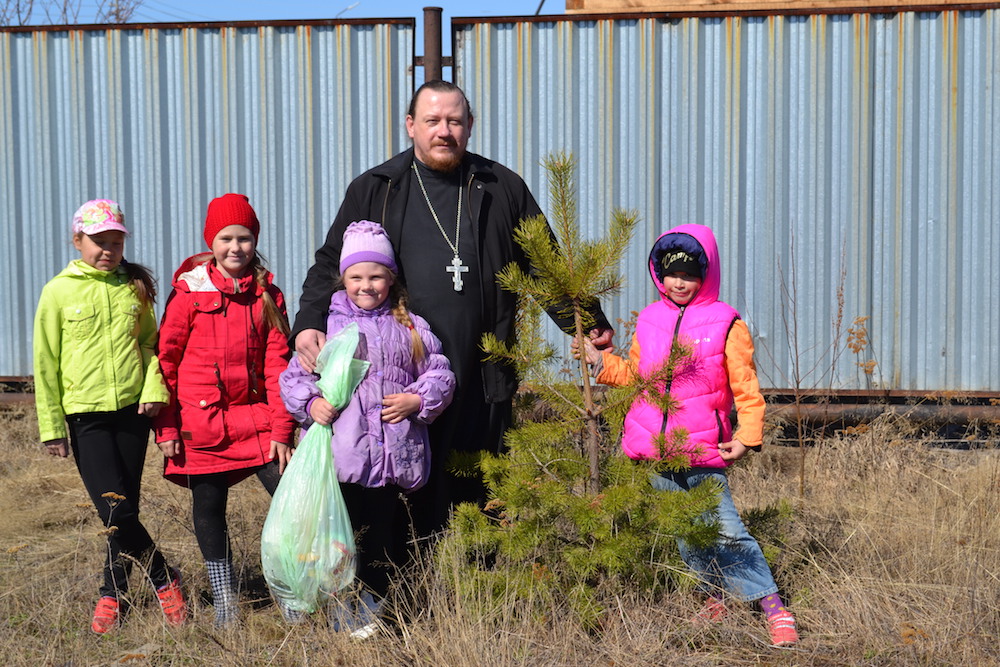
713 611
172 600
106 615
782 628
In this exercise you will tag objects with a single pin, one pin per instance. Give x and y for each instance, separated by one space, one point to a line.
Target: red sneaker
172 600
106 615
782 628
713 611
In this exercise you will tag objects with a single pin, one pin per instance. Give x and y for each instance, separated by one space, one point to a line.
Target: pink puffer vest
700 382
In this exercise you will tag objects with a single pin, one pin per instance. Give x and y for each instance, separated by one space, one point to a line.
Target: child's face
367 284
233 248
681 287
102 251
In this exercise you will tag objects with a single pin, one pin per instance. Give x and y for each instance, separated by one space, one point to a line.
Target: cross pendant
457 268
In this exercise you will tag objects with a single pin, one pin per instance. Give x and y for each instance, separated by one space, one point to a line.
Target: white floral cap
99 215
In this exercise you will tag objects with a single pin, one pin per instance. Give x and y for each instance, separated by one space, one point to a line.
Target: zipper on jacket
474 225
670 380
385 200
109 345
468 201
253 377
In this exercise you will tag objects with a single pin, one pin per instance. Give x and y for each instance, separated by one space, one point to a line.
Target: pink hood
697 240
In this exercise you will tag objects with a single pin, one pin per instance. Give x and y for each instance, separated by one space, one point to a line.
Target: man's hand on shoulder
308 343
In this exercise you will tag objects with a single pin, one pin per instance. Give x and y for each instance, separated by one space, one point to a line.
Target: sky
269 10
175 11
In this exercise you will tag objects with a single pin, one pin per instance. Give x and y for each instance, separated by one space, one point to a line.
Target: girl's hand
399 406
602 338
732 451
592 354
281 452
170 448
151 409
58 447
322 412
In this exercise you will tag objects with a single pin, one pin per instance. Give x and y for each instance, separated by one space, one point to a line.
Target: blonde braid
402 315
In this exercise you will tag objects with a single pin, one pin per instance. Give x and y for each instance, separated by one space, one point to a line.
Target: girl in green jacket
95 373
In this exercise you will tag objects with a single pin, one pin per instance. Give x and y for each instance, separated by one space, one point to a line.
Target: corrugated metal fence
163 118
849 164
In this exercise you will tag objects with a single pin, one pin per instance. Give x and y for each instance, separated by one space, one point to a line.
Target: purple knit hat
366 241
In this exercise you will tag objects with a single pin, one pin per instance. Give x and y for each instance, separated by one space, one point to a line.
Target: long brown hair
142 281
272 314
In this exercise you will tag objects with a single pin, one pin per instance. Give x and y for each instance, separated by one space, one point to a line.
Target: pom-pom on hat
99 215
230 209
366 241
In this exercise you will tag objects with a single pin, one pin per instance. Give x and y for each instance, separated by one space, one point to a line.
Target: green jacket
94 348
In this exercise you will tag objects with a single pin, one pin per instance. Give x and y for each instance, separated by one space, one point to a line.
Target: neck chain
456 268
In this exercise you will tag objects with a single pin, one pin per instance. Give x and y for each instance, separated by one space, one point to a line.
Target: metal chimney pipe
432 43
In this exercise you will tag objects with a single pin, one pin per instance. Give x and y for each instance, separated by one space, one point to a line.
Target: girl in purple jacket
380 444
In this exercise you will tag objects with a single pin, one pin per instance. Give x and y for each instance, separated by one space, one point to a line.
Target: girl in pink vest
684 266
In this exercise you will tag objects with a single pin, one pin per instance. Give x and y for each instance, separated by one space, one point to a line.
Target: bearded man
451 217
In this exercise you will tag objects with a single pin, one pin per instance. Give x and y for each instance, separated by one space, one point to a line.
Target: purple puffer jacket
366 450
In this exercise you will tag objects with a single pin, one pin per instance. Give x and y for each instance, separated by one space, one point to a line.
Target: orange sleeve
746 389
617 371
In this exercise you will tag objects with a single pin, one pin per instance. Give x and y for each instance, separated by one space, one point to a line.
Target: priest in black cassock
451 216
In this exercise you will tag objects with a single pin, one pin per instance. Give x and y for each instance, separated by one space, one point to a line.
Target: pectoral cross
457 268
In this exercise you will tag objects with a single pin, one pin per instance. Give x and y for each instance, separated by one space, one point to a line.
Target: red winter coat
221 363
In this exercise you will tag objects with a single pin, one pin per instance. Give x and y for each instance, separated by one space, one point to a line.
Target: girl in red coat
223 344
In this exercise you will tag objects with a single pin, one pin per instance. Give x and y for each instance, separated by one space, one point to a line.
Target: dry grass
891 558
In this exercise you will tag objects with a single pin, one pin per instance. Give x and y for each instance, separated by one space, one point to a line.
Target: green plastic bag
307 546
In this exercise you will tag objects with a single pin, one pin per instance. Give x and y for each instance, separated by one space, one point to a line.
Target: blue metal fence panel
163 118
848 163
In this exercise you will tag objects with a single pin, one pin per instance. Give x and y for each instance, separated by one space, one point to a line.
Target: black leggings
110 449
209 495
376 516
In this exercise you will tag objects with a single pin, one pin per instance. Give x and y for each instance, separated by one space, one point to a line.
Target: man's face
439 129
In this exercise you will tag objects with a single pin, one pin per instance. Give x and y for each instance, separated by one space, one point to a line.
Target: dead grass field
891 558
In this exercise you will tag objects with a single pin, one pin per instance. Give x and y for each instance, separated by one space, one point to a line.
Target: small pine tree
568 512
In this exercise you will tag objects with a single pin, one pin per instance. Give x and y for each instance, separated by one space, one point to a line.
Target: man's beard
445 164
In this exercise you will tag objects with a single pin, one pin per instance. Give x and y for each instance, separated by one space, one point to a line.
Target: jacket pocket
202 425
250 423
80 321
128 318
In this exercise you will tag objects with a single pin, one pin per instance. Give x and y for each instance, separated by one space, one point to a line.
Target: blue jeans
735 564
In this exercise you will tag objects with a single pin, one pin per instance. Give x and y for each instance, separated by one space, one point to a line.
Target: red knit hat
230 209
